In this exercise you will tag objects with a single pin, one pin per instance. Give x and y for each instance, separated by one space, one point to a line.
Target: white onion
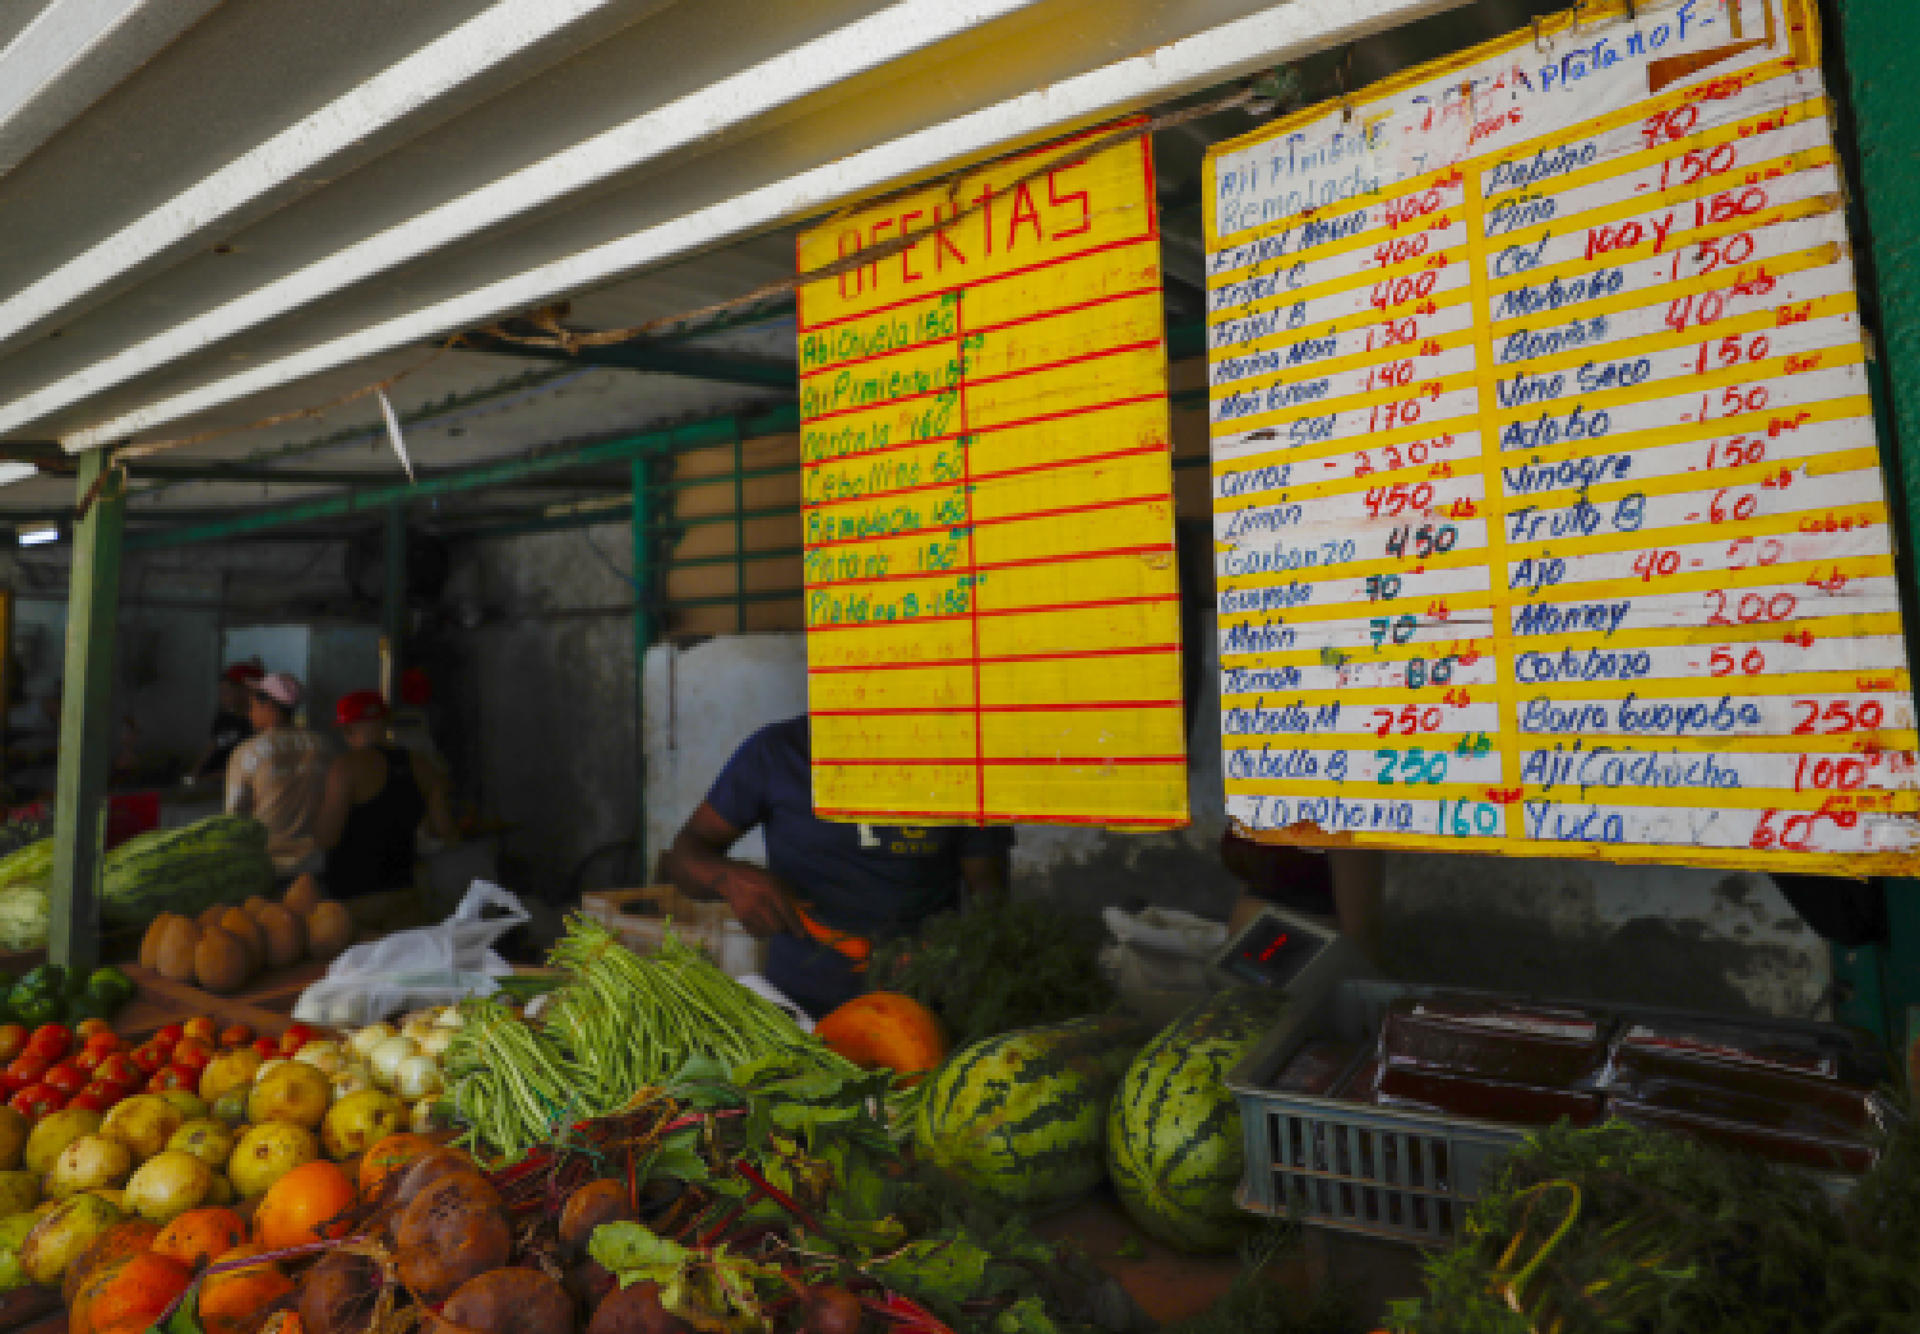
326 1057
351 1080
417 1077
364 1041
424 1120
417 1027
387 1056
435 1044
450 1017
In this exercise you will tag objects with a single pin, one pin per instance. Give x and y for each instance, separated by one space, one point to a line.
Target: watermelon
222 859
1021 1117
1173 1135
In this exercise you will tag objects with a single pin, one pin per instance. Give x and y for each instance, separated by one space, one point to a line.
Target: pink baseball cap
282 688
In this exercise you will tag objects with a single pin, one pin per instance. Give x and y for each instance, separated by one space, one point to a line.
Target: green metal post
393 604
739 534
643 629
86 716
1882 68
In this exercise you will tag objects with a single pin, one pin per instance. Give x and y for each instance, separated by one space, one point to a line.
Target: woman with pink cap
377 796
280 774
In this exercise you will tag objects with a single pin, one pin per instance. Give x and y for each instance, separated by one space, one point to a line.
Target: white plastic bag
428 965
1157 959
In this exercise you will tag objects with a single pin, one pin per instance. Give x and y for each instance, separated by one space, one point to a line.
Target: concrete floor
1170 1286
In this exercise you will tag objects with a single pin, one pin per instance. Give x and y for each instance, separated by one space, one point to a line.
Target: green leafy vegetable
1619 1230
998 966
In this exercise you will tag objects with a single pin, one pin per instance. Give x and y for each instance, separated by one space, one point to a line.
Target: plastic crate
1379 1171
1388 1172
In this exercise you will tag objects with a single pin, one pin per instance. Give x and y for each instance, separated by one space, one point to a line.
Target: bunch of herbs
996 966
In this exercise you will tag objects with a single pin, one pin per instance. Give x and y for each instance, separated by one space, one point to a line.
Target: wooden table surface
265 1004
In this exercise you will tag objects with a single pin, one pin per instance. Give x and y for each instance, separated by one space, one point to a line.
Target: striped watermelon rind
1021 1117
1174 1147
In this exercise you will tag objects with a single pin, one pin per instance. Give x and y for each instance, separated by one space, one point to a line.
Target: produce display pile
1621 1230
229 945
220 860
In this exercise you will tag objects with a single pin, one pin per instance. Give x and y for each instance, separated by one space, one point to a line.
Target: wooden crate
640 917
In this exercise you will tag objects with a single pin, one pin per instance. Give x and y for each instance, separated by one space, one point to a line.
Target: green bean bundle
509 1083
631 1023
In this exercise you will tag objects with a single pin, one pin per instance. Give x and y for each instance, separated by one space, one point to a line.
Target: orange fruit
307 1204
116 1243
232 1302
388 1158
200 1234
132 1290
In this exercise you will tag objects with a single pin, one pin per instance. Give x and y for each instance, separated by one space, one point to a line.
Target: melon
1174 1147
1021 1117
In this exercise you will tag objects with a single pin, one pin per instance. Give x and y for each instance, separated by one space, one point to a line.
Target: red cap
245 673
416 688
362 706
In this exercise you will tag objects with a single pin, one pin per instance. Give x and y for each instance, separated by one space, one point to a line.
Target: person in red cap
377 797
230 724
280 775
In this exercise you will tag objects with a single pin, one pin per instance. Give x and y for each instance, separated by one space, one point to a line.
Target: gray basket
1380 1171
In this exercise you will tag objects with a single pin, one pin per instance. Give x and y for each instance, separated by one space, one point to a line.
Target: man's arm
698 864
334 805
437 787
239 796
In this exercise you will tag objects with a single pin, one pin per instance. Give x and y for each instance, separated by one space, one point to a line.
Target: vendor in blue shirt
855 883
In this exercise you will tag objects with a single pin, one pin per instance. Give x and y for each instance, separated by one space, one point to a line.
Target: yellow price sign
993 605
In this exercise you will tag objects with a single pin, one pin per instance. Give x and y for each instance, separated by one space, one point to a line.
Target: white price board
1549 515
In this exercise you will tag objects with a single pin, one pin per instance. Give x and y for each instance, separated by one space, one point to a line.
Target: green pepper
48 979
37 1010
110 985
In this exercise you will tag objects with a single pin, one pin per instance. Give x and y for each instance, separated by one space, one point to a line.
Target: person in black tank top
377 797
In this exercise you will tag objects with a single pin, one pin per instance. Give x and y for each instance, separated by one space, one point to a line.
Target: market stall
1551 518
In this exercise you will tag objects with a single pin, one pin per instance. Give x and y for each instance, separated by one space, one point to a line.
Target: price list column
1697 560
1361 682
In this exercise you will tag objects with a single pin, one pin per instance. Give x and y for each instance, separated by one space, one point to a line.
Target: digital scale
1302 956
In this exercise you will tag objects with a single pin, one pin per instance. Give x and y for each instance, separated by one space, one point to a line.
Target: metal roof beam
645 354
1272 34
72 53
812 67
507 472
268 475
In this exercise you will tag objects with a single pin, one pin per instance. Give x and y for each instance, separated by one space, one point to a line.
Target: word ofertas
991 223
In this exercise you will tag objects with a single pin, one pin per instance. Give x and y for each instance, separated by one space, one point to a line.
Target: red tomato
104 1043
88 1029
120 1068
296 1037
66 1078
52 1041
169 1035
86 1100
202 1028
87 1059
13 1041
11 1084
28 1068
236 1035
267 1047
191 1054
36 1101
150 1058
106 1092
171 1079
